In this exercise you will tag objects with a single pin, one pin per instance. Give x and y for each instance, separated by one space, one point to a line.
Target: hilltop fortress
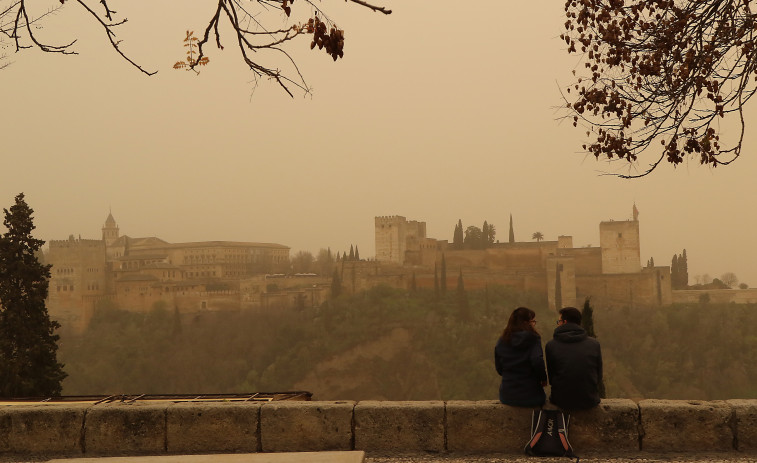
139 274
611 274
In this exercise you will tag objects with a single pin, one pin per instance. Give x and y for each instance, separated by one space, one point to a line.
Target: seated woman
519 359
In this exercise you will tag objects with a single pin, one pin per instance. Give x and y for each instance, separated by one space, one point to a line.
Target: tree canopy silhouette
256 31
661 76
28 343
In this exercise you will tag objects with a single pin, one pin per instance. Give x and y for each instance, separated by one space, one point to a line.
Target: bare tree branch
108 27
251 35
661 75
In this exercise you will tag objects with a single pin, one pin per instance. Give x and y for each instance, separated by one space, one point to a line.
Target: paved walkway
295 457
641 458
329 457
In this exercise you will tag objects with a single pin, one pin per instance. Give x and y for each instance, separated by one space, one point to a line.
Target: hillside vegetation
397 345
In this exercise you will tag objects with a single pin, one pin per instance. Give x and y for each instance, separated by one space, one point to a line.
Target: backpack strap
562 431
537 425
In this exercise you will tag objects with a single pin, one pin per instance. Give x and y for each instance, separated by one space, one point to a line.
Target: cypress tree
357 253
354 279
336 285
352 253
587 318
684 263
674 277
558 288
436 280
512 233
462 298
458 237
587 321
28 343
484 235
444 276
177 329
486 299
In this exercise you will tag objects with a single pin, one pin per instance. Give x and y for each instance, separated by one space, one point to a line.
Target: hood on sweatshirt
570 332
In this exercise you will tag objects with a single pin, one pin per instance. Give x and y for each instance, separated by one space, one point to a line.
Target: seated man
574 364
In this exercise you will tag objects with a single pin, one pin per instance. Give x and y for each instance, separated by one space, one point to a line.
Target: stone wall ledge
616 426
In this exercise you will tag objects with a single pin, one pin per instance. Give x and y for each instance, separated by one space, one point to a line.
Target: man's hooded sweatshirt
574 365
521 365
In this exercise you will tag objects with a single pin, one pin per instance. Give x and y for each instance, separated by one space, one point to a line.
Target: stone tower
619 242
110 230
395 235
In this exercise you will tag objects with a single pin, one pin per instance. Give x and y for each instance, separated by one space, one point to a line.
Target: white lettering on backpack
550 427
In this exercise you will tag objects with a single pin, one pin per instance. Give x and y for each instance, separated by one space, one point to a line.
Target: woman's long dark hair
520 320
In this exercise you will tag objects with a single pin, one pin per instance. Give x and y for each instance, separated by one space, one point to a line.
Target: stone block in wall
5 429
125 429
296 426
685 426
487 427
41 429
399 426
613 426
744 413
212 427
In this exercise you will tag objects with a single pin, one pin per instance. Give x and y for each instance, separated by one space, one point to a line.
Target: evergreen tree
176 329
484 235
357 253
674 272
28 343
587 321
512 233
558 288
684 263
336 285
487 306
436 281
458 237
489 234
462 298
587 318
352 253
473 237
444 276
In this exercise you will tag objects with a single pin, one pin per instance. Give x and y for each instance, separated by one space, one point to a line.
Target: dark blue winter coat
521 365
574 361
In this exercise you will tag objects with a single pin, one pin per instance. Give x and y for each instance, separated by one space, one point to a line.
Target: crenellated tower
395 235
619 241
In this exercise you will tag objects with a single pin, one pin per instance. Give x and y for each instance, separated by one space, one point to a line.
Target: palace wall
716 296
650 287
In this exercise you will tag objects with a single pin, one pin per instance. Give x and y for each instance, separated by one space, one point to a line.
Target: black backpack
549 435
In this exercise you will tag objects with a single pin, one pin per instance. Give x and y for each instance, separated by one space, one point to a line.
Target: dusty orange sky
441 111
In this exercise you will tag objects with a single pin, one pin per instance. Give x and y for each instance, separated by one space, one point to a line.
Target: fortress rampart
616 426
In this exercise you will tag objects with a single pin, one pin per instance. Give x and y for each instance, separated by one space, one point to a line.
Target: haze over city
435 113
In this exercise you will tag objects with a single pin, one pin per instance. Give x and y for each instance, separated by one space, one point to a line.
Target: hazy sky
441 111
